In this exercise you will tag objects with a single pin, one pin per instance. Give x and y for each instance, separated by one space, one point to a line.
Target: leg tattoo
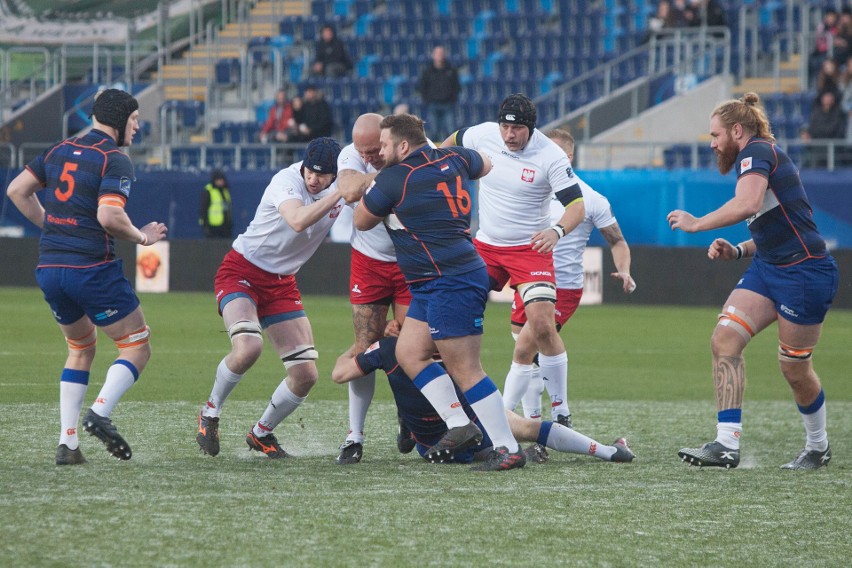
729 377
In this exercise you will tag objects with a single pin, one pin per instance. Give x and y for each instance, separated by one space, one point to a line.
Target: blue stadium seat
222 157
186 157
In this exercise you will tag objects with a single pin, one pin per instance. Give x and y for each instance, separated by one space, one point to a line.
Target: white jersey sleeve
568 254
375 243
514 198
269 242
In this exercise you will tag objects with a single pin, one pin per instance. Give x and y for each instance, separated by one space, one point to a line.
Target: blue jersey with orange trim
79 174
783 230
427 201
415 410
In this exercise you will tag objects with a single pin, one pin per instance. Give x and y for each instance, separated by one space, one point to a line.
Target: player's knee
303 376
137 341
246 341
83 348
301 356
790 354
533 292
733 332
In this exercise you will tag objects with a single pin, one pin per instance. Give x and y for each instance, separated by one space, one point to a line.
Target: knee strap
299 355
245 327
537 292
794 354
738 321
83 342
134 338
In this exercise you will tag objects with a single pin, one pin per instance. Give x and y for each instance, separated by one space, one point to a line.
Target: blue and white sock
120 377
72 392
558 437
729 427
486 402
814 417
439 389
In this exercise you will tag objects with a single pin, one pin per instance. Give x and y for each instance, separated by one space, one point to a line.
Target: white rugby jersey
375 243
568 254
514 198
269 242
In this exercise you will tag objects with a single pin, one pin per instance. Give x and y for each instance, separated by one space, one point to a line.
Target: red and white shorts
516 265
374 281
272 293
566 304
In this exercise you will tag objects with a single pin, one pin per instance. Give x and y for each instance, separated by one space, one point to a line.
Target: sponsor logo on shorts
356 290
219 294
541 273
790 312
477 322
528 175
245 283
106 314
434 331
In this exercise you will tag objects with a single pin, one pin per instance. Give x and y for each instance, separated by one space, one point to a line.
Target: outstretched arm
300 216
746 202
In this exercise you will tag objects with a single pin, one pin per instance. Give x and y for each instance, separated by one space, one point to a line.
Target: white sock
531 400
517 382
281 405
485 400
728 434
119 378
815 422
360 396
439 389
564 439
226 381
71 397
554 373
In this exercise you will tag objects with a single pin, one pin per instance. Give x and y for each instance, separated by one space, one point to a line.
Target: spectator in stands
439 87
280 124
214 210
826 31
313 115
846 98
330 56
829 77
827 122
706 12
667 17
843 40
401 108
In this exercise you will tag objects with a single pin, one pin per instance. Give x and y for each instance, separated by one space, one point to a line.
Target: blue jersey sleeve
756 158
118 175
36 166
385 193
380 355
472 158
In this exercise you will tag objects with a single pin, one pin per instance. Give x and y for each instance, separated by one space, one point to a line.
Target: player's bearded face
390 149
515 136
726 153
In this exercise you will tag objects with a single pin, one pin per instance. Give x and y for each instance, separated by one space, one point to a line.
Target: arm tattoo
612 234
729 381
369 322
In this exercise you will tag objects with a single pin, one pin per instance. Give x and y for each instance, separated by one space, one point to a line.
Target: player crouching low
427 427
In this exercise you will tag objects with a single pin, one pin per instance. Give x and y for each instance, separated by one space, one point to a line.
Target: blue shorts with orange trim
802 292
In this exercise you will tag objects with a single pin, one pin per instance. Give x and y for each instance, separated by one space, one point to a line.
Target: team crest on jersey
124 185
745 165
528 175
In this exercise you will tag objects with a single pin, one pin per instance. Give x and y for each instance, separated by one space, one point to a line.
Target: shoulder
289 182
350 159
479 133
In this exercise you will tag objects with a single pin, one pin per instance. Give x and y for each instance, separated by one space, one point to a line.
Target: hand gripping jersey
428 194
269 242
568 254
376 242
783 230
79 174
514 198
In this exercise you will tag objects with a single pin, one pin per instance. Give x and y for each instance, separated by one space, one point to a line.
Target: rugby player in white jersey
375 281
516 237
256 293
568 261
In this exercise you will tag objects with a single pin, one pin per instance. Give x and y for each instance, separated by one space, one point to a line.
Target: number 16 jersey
426 201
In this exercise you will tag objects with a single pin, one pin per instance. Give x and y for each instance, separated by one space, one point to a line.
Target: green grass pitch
641 372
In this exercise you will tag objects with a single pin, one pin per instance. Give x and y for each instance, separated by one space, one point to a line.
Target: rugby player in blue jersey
87 181
792 279
423 196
